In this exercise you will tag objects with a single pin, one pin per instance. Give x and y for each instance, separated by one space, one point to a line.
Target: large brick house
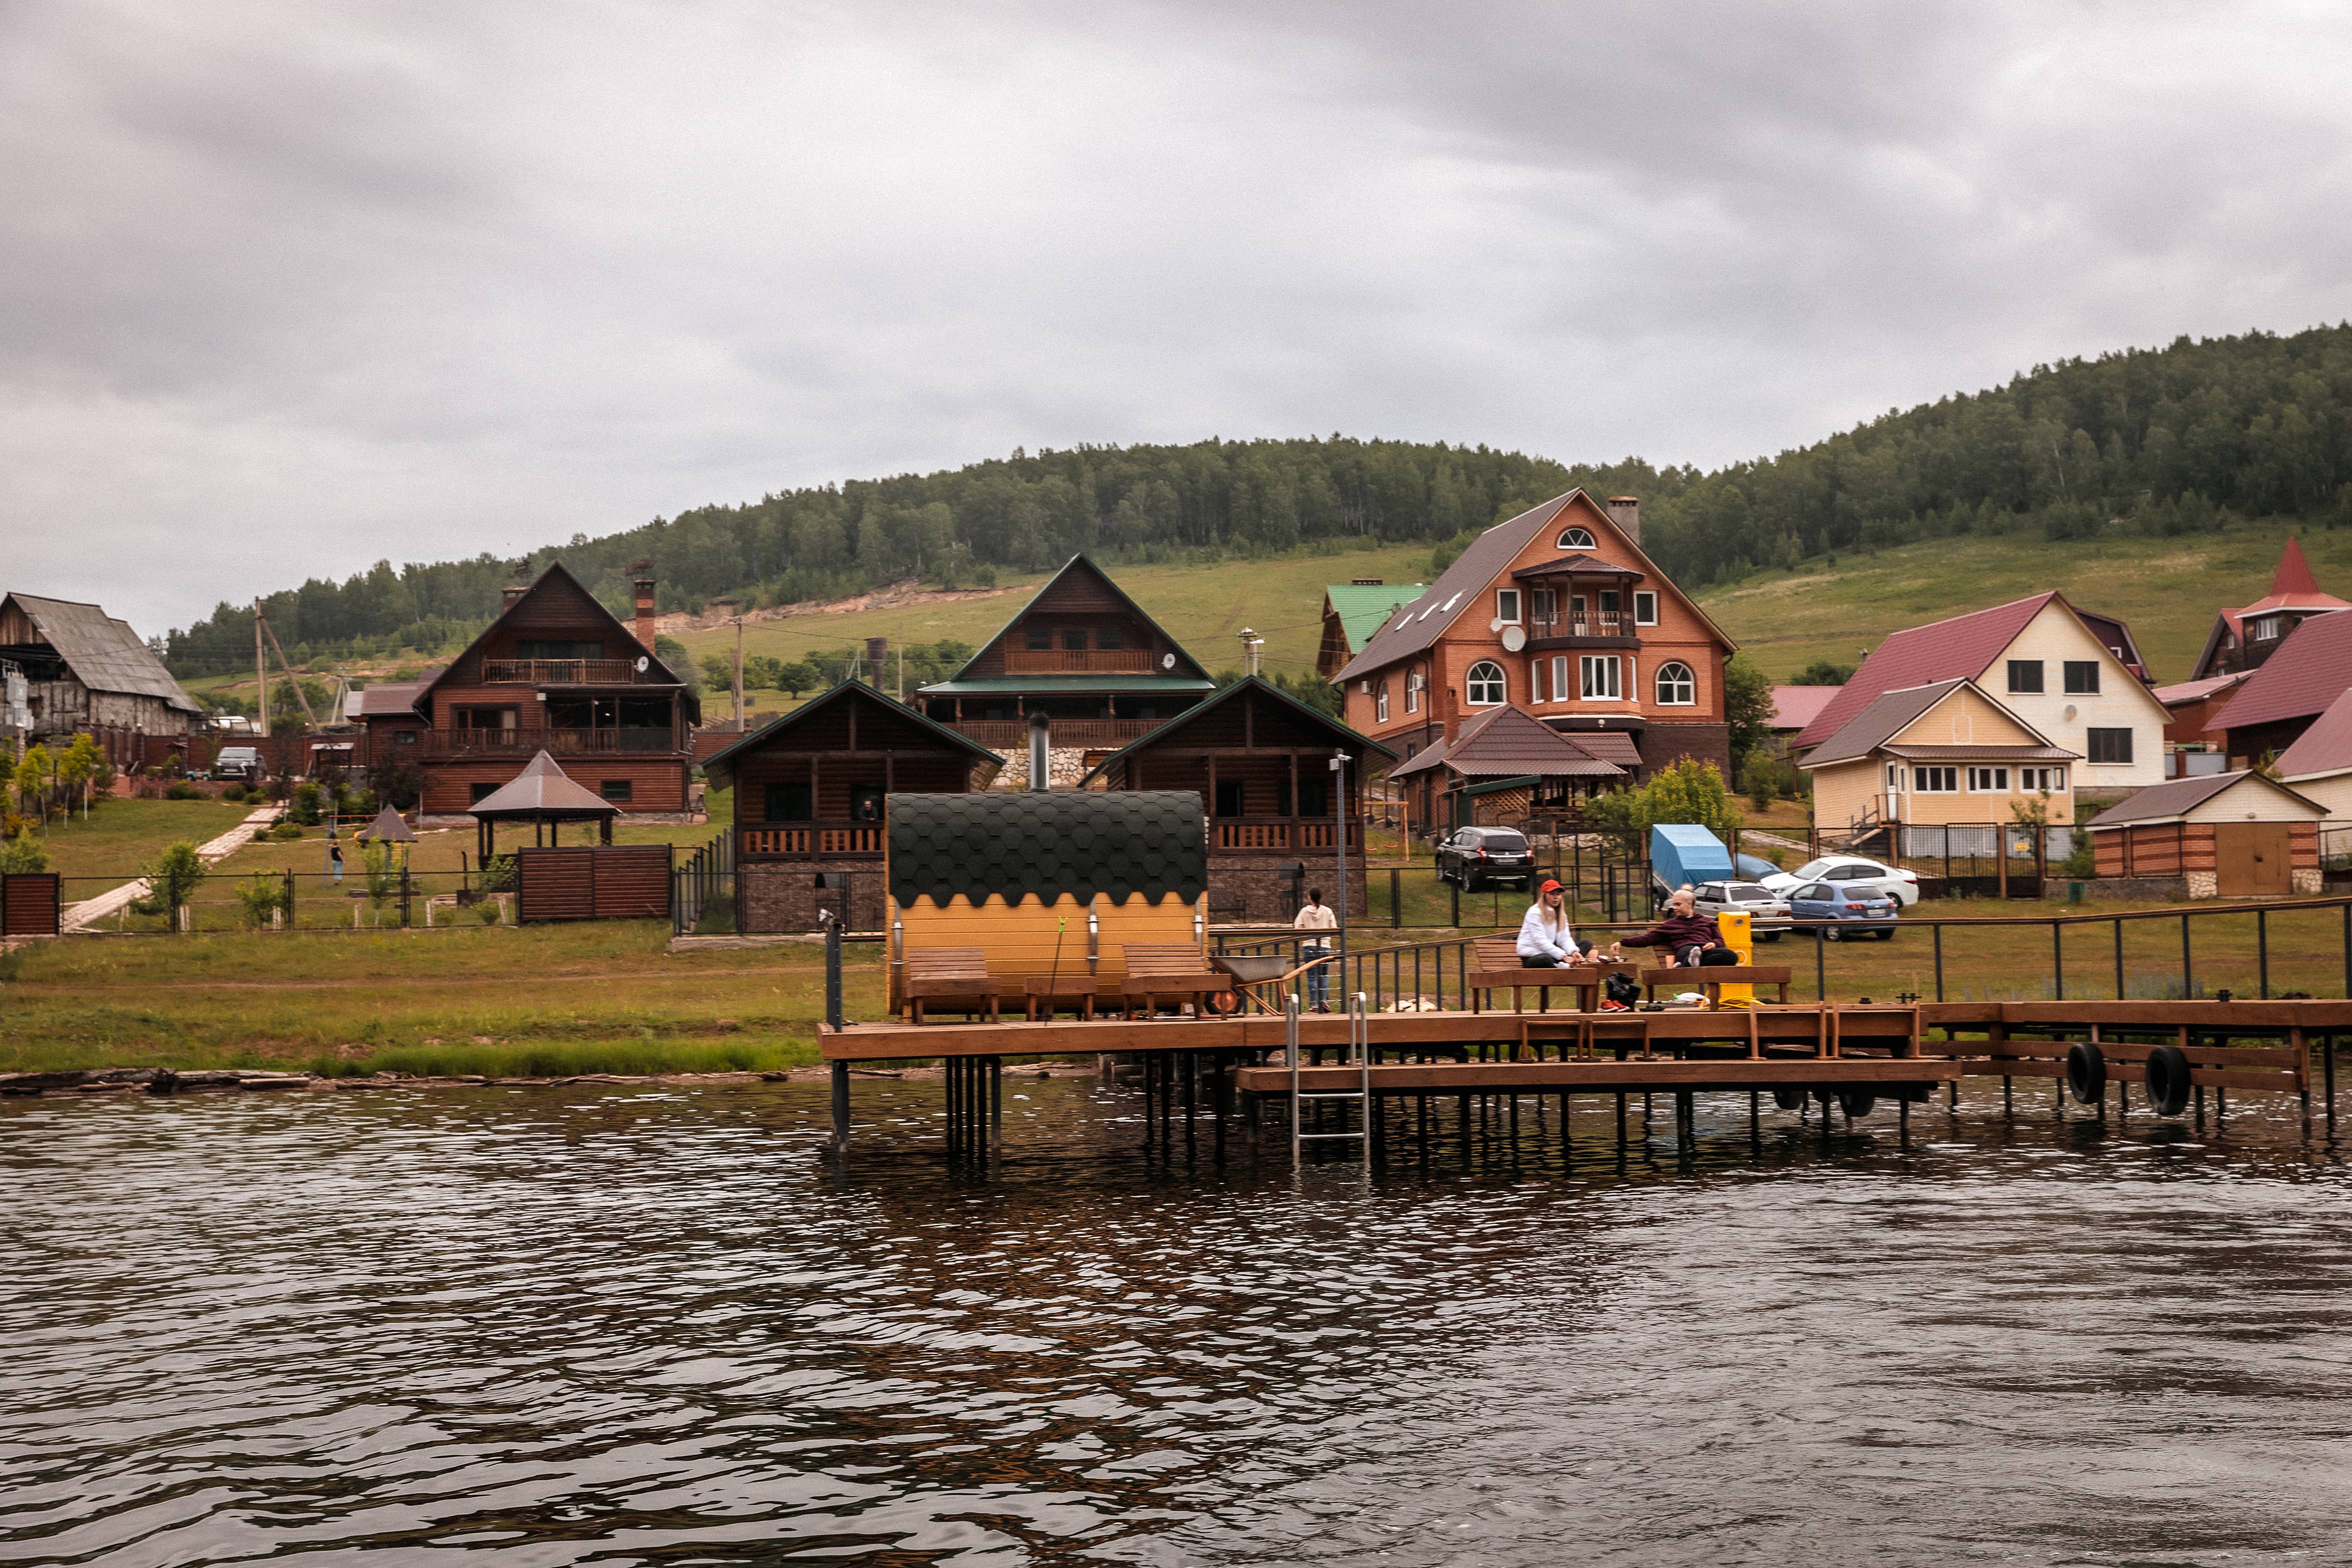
1557 612
556 672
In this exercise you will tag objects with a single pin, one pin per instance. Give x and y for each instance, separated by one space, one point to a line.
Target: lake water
564 1326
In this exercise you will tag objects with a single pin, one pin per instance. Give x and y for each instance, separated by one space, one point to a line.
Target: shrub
22 853
486 912
1686 792
2081 861
309 803
285 830
181 789
260 896
172 878
235 792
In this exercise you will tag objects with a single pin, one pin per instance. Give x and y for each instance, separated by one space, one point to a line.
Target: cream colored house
1938 755
2042 664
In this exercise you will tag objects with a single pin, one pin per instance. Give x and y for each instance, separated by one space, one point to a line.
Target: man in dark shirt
1689 938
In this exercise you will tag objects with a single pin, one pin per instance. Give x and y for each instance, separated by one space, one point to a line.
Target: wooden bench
1499 966
956 974
1710 979
1175 970
1075 991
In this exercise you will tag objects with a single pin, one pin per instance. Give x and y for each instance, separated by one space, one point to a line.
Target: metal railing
699 880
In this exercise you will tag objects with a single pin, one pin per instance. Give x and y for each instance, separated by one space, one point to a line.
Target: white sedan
1904 885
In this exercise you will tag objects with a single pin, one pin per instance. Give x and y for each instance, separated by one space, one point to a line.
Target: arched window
1676 685
1380 704
1576 539
1486 684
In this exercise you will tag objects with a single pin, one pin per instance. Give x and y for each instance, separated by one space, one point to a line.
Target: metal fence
701 881
306 901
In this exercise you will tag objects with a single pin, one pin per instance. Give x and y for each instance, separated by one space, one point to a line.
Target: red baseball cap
1548 885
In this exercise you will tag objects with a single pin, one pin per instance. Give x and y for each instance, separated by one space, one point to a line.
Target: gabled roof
1510 743
104 653
2325 748
1363 608
1794 707
2302 676
1185 662
542 790
2293 587
2175 798
2188 691
546 582
1341 733
1960 649
1878 727
386 697
1581 563
723 761
1424 620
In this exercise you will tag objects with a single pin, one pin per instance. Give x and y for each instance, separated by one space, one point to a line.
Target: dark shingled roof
1880 721
104 653
1049 843
720 765
1583 565
1511 743
2177 798
542 790
1341 735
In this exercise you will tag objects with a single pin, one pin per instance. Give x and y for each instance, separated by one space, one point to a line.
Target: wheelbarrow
1252 969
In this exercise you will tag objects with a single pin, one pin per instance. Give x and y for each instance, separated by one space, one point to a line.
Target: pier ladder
1360 1056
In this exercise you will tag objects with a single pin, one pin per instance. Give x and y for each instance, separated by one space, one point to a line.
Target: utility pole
260 670
739 674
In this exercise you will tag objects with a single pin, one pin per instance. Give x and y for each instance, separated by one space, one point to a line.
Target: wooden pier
1850 1054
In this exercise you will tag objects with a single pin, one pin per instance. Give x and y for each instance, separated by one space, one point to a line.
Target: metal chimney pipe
1040 767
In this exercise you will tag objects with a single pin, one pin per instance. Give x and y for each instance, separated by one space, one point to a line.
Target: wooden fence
28 904
611 882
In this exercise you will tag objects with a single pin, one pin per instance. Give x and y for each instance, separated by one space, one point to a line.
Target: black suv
1475 857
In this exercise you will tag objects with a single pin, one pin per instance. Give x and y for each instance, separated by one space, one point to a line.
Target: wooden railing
808 840
560 672
1010 734
442 745
1079 661
1243 833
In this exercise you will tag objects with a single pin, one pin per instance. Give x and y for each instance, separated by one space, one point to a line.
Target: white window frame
1559 677
1412 691
1575 539
2030 781
1645 606
1535 682
1895 778
1471 683
1506 605
1381 705
1598 671
1936 778
1689 684
1989 781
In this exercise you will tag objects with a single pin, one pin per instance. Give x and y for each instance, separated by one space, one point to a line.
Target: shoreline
84 1083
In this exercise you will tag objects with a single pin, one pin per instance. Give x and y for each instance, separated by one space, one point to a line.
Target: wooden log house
812 792
1261 761
556 672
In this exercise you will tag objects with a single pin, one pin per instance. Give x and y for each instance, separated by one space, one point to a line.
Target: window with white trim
1988 781
2032 780
1559 677
1576 539
1484 685
1380 704
2110 746
1598 677
1645 608
1677 688
1506 605
1895 778
1935 781
1535 681
1412 691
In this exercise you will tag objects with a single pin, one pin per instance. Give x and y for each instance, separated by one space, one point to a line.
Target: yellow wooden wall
1019 938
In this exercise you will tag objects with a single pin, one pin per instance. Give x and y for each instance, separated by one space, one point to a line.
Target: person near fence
1545 940
1317 915
1689 938
334 859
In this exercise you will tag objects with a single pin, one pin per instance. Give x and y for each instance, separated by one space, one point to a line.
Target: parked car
243 763
1755 867
1476 857
1767 911
1903 885
1860 908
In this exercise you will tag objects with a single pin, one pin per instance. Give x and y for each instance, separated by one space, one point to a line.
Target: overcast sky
285 289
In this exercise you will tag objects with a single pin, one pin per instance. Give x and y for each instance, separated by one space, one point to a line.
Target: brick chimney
1625 511
642 574
878 655
513 591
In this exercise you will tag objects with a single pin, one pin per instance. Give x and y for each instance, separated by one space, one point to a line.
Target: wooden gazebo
544 796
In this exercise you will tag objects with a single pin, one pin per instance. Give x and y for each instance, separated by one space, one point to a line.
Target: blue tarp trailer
1681 853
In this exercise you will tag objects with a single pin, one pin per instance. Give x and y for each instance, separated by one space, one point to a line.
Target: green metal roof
1363 610
1057 685
1048 842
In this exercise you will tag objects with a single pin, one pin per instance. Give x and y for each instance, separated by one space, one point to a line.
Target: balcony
1079 661
1088 734
1596 628
809 841
1247 834
456 746
558 672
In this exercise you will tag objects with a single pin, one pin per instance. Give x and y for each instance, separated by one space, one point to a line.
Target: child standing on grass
334 859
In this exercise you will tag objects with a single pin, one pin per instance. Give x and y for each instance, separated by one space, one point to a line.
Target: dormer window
1576 539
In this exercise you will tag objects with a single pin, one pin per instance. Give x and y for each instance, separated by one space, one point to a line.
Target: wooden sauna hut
1055 884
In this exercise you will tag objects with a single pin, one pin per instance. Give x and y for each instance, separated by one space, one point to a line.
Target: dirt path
89 911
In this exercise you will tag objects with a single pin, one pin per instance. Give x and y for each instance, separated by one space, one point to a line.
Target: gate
609 882
29 904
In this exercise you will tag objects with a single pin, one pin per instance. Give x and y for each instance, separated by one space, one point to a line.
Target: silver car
1767 911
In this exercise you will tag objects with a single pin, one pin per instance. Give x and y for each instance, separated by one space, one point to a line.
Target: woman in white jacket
1545 940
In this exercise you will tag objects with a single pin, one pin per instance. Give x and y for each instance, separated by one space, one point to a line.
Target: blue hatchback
1859 908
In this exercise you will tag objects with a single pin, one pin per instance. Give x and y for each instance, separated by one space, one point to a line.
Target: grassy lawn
595 996
121 834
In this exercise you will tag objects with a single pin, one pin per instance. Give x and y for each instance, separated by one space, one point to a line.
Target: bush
285 831
172 878
261 895
2081 862
22 854
309 803
1689 792
486 912
181 789
236 791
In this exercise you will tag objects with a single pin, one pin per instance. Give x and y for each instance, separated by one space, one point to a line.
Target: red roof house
2296 683
2242 639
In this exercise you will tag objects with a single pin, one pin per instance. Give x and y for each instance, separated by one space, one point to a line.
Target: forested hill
2155 442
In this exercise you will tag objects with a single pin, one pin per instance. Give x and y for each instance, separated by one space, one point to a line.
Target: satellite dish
1167 661
1495 624
642 662
2070 713
1514 639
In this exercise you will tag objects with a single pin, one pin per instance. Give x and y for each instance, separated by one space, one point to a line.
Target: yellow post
1741 940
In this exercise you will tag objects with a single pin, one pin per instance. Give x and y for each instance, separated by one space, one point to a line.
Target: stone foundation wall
2166 889
2204 885
2306 881
1065 766
772 896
